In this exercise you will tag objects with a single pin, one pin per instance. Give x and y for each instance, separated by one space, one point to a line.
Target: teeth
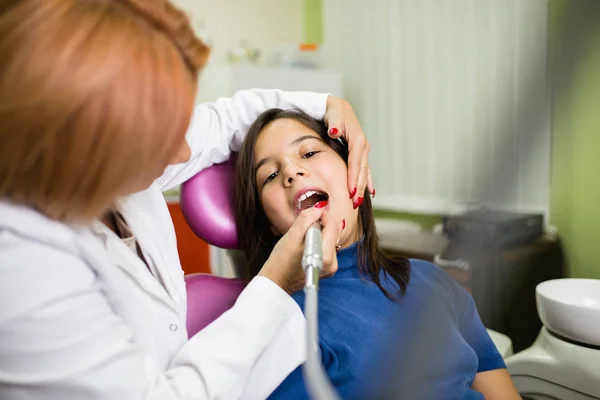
306 196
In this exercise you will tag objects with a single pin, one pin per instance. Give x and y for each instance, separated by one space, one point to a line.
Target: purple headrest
207 203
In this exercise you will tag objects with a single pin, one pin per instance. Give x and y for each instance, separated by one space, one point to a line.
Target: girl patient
287 164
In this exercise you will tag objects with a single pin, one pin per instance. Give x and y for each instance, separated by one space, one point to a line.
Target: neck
351 234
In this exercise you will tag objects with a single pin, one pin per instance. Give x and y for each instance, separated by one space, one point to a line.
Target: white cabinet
217 82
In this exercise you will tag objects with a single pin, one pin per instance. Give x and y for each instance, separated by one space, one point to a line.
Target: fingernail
320 204
353 193
373 194
343 224
358 202
333 132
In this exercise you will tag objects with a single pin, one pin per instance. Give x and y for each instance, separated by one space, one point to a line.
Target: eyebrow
292 143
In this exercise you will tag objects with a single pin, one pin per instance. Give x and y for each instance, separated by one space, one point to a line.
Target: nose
291 172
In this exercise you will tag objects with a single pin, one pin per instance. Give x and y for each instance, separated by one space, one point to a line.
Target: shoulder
39 265
434 283
35 253
33 227
428 273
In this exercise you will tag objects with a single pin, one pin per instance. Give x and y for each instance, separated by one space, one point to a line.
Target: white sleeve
60 338
218 128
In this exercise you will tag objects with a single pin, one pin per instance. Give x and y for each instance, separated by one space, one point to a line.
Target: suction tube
318 384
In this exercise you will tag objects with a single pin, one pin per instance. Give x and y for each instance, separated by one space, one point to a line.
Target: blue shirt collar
348 258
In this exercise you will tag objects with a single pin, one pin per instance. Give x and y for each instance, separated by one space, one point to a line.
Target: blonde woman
97 119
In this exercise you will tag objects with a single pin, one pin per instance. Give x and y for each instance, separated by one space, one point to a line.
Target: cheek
277 209
336 174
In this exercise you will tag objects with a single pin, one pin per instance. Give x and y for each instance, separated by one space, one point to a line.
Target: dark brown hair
253 227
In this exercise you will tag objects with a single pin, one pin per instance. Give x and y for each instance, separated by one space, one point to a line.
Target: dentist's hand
341 121
284 264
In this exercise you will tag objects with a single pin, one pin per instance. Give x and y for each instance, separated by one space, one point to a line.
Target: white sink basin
571 308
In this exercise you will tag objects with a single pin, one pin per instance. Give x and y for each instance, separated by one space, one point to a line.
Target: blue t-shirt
428 345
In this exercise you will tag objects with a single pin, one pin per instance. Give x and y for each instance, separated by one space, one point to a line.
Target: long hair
253 227
93 95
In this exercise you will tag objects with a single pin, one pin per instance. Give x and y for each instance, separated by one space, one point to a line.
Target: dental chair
207 203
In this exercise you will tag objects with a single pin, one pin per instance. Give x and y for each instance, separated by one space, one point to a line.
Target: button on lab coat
82 317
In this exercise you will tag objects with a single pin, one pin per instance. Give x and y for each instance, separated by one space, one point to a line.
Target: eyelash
270 177
274 174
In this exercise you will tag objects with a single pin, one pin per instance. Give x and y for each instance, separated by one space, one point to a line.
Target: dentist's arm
218 128
61 337
64 333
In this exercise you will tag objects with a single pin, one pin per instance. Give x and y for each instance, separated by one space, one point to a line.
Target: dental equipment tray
497 228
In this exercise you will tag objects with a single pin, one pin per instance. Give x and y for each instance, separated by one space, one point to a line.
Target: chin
284 227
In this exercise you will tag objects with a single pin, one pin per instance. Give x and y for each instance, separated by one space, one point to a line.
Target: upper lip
301 192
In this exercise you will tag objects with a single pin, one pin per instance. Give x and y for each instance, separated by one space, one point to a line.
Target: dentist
96 120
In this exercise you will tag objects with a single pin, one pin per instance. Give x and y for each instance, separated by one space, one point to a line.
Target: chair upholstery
207 203
208 297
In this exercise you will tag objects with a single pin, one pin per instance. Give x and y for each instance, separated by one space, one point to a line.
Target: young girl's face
295 170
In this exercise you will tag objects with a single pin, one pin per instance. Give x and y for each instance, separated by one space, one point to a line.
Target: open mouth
309 199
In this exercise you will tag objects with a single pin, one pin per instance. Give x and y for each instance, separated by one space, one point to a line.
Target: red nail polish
321 204
333 131
343 224
358 202
353 193
373 195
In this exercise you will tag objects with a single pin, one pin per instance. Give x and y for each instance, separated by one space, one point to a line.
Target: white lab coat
82 317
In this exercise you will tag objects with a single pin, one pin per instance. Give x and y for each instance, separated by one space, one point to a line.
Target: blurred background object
263 25
303 55
243 54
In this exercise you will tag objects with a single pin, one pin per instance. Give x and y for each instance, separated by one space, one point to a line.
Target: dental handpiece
312 258
318 384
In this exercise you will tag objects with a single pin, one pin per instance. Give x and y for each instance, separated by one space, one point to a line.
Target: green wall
575 183
313 26
575 62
